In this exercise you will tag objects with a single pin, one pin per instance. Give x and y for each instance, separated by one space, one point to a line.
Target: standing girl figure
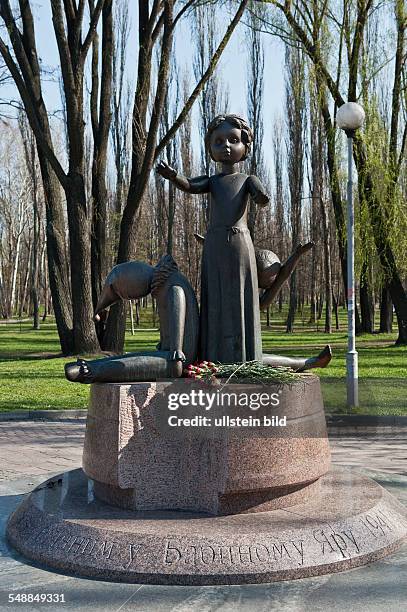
230 315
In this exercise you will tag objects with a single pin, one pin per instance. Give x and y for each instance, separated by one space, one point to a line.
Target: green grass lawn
32 376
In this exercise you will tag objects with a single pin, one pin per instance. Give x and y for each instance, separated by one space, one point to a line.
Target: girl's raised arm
200 184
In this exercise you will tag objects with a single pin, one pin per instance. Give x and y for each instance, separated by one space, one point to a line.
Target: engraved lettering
383 522
171 554
262 553
300 549
190 557
92 546
76 544
373 525
106 549
62 541
244 554
241 554
387 518
225 553
351 538
340 543
85 546
40 534
323 540
369 528
133 549
209 557
376 524
279 550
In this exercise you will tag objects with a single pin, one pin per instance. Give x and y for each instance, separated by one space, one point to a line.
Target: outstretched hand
165 170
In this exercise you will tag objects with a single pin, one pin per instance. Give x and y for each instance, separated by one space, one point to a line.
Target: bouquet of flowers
249 372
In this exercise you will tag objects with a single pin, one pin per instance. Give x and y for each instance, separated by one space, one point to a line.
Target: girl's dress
230 315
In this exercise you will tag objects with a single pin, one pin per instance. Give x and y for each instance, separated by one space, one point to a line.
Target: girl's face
226 144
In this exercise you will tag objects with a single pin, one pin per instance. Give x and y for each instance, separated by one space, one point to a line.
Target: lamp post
350 117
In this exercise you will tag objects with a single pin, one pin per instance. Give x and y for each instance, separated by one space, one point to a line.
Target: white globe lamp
350 117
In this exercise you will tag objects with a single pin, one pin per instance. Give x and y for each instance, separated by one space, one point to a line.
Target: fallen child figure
179 325
179 328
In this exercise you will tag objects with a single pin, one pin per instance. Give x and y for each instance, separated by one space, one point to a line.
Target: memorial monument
160 500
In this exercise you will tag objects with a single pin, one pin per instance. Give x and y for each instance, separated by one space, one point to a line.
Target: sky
232 65
232 68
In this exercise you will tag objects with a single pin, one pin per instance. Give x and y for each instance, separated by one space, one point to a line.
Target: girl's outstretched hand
165 170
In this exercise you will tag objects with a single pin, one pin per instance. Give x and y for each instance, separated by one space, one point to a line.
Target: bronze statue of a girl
230 317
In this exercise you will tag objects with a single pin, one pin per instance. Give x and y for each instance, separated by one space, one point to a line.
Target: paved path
39 447
43 447
30 451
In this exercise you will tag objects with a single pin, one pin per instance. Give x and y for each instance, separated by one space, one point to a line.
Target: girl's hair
236 121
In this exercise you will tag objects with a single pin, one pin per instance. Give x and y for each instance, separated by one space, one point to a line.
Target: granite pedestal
135 467
227 510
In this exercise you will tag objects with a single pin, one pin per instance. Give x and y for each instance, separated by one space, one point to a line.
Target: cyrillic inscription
239 554
334 542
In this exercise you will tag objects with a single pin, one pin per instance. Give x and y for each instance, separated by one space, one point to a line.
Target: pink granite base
241 502
136 466
353 521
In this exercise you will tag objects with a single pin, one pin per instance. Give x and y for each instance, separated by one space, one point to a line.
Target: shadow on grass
30 356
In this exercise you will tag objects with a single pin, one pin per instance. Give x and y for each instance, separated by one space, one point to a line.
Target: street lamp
350 117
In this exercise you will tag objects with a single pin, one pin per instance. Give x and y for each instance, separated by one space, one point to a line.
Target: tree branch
91 32
310 50
63 46
31 112
402 150
182 12
70 9
161 90
205 77
16 40
153 15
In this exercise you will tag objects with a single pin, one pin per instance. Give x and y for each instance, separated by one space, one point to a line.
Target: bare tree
213 99
319 197
279 242
100 111
121 104
25 70
31 163
295 100
255 97
304 27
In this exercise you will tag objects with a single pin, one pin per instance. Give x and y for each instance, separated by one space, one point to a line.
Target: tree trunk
292 307
101 121
366 303
328 287
386 312
24 289
56 256
335 303
382 240
171 216
99 230
113 339
85 338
